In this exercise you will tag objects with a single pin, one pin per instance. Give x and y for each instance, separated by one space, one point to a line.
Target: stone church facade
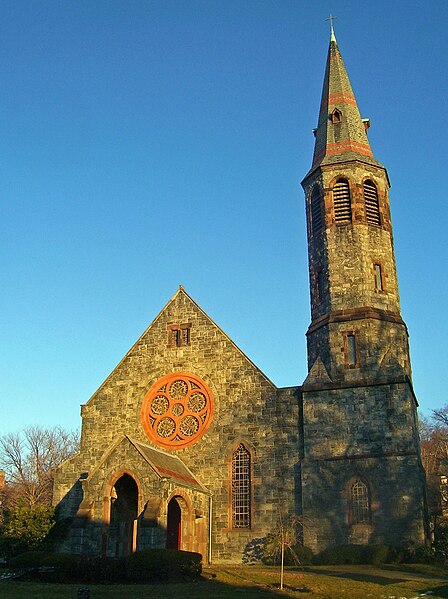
188 445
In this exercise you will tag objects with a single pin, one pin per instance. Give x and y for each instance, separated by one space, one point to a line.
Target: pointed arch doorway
123 516
174 524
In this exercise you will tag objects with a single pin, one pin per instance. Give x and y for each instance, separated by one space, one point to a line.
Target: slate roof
168 466
345 140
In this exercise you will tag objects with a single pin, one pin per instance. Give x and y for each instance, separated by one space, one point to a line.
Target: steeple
353 278
359 423
341 132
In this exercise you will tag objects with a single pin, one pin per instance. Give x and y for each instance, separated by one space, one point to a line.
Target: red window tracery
177 410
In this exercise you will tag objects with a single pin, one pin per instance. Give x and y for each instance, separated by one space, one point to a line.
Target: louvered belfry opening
341 202
316 210
371 203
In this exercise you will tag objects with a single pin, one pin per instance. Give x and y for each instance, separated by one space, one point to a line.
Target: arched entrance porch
123 513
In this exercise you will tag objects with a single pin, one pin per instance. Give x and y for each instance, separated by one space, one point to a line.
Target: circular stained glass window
177 410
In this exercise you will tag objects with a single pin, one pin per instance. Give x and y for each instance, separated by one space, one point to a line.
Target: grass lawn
260 582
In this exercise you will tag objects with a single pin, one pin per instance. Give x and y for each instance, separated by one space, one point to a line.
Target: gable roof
168 466
180 291
164 465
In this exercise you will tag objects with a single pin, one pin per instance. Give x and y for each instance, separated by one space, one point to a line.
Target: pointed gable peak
341 132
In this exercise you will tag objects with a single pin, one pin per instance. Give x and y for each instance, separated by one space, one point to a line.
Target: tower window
179 335
341 202
319 286
351 351
336 116
316 210
360 503
371 203
241 488
378 277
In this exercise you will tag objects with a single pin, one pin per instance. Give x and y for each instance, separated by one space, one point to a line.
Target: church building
188 445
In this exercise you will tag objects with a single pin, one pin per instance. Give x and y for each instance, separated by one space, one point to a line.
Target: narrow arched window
371 203
316 210
341 202
241 488
360 503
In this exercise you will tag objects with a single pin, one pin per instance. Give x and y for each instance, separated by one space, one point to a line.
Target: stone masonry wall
248 408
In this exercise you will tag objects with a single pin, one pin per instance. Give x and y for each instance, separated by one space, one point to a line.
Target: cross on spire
331 18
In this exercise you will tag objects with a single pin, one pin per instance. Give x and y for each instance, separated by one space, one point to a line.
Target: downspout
210 511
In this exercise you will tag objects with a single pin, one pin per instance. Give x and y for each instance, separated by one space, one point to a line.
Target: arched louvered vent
371 203
341 202
316 210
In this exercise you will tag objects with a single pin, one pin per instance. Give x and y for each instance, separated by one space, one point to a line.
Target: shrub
341 554
152 565
377 554
420 554
100 570
162 565
301 555
254 551
30 559
64 567
441 543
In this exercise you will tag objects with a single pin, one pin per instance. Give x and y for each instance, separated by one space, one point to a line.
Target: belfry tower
362 480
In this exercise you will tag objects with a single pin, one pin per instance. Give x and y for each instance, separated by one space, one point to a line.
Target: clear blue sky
147 144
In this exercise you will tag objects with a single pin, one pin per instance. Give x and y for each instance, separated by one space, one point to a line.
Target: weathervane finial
331 18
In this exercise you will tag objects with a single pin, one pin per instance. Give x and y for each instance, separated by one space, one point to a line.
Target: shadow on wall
126 530
349 440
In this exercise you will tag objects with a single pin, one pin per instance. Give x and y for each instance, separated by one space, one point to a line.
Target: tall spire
341 132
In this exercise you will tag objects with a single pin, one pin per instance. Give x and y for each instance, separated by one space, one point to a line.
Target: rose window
177 410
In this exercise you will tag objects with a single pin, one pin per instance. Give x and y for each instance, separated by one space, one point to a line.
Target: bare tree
29 459
441 417
434 449
283 541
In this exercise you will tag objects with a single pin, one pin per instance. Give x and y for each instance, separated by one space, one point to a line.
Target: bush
378 554
419 554
25 528
162 565
100 570
64 567
441 543
152 565
30 559
303 555
341 554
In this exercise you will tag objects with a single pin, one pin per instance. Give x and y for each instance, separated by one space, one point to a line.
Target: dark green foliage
295 555
163 565
441 543
378 554
357 554
30 559
341 554
254 551
152 565
25 528
419 554
303 556
63 567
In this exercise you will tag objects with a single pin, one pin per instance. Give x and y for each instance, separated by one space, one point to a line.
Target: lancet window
360 503
241 488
